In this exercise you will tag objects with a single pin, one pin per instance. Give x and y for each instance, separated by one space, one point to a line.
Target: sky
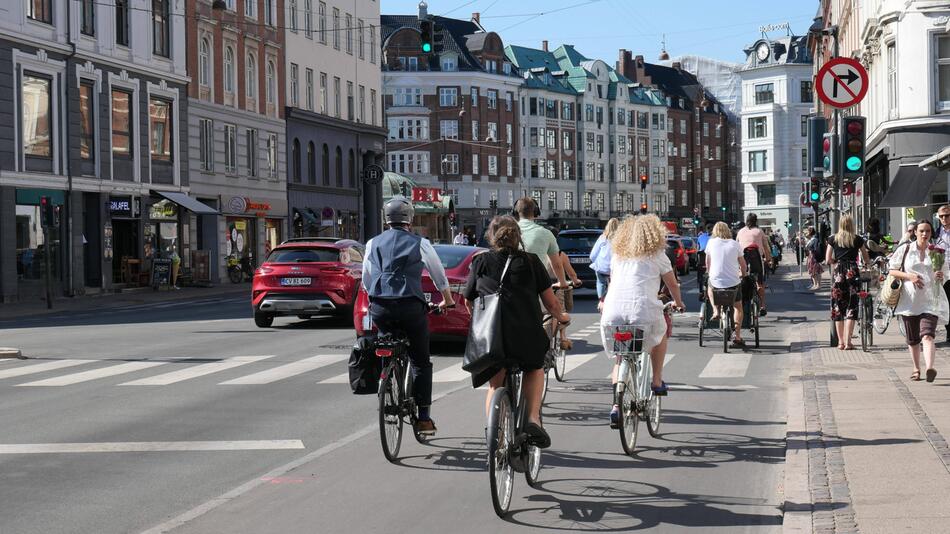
718 29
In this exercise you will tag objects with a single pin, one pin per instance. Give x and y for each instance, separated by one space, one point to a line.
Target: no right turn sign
842 82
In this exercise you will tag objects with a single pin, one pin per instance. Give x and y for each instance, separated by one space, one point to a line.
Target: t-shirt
748 237
539 241
846 253
723 257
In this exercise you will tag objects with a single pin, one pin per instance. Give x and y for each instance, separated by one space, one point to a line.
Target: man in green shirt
539 240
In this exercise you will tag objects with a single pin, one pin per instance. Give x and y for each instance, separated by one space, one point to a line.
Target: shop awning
910 188
940 160
307 216
185 201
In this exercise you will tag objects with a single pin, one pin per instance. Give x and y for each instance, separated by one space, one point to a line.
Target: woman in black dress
842 253
523 336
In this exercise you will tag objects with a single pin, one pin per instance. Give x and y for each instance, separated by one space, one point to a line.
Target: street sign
373 174
842 82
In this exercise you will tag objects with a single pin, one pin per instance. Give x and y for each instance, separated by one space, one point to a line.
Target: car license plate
296 281
580 261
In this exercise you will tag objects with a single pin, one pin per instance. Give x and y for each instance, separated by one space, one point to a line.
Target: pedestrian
943 241
813 250
875 244
523 336
460 239
922 305
726 265
799 247
842 253
909 233
600 257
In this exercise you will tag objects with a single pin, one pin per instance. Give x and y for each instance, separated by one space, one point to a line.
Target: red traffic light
644 179
826 145
855 127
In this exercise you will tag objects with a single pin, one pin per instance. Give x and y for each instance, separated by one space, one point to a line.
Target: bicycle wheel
390 420
560 363
629 419
882 316
726 322
533 471
654 412
702 322
501 432
862 326
547 378
868 314
410 402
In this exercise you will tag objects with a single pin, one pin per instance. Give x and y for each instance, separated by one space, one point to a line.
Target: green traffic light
426 47
815 196
723 208
853 163
826 162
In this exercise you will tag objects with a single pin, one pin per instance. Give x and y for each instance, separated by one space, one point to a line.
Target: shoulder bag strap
501 281
904 259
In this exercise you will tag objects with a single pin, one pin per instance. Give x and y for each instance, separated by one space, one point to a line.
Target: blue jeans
603 280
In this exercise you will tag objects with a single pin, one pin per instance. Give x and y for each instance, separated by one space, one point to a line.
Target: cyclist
726 266
392 277
539 241
756 249
638 266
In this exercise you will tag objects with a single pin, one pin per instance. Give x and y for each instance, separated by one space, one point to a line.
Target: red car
304 277
455 322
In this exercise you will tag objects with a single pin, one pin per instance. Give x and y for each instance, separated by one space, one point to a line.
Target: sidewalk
866 448
37 307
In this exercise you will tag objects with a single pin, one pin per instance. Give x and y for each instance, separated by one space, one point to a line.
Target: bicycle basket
724 297
623 339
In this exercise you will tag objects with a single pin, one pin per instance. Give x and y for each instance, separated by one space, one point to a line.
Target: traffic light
47 215
814 193
493 203
806 193
437 38
643 207
644 180
817 126
852 133
425 37
696 222
828 158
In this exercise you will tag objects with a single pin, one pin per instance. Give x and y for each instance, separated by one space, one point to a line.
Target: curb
9 352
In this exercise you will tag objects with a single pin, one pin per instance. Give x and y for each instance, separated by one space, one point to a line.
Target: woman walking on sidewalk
923 304
813 250
842 253
600 255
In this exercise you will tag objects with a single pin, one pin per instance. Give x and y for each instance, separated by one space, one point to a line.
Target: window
492 99
292 8
758 127
348 20
683 199
272 155
161 44
411 129
270 12
508 133
533 137
372 106
359 38
705 129
270 85
86 121
250 8
474 97
451 164
804 160
589 112
718 176
567 112
350 104
493 165
160 129
121 122
509 101
758 161
588 200
362 110
250 80
251 155
336 28
311 164
372 44
37 116
448 97
295 159
40 10
325 165
87 23
204 62
206 144
122 22
230 149
409 162
474 164
552 138
804 125
511 166
943 73
892 81
308 19
764 94
295 86
336 97
567 140
706 175
600 201
806 92
492 131
682 126
229 70
765 195
324 107
322 22
407 96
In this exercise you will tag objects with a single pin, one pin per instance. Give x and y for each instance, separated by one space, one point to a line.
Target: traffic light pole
836 198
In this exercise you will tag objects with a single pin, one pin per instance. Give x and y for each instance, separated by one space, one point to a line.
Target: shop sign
257 206
240 225
120 206
246 205
426 194
164 210
237 205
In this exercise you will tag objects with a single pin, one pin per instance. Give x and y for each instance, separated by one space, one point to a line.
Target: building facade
236 128
334 116
95 110
777 100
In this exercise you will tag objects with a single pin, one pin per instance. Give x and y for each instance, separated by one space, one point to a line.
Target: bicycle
397 404
508 448
633 392
866 312
556 357
755 305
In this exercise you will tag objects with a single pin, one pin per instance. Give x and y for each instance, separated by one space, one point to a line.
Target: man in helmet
392 276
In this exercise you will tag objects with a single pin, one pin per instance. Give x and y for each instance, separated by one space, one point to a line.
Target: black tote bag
485 347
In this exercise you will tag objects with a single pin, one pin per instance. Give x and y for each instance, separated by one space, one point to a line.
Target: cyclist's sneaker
566 344
660 391
615 417
426 428
537 436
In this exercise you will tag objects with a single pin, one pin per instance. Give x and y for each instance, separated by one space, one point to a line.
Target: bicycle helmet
398 211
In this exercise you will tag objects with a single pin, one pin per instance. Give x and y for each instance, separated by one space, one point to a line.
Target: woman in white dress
923 304
638 264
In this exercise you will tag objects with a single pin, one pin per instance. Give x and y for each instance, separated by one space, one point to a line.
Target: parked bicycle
866 311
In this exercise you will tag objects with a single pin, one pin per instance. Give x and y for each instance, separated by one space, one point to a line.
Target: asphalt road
186 417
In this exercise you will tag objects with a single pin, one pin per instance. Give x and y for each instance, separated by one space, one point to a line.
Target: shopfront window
273 235
241 234
34 246
161 234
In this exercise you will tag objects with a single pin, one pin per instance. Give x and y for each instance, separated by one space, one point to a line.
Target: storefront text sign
237 205
246 205
426 194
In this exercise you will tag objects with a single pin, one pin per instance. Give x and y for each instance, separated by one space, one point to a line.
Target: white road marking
343 378
727 366
196 371
576 360
452 373
150 446
94 374
40 368
665 363
289 370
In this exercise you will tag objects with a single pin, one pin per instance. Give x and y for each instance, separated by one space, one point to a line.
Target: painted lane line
41 367
665 362
343 378
196 371
289 370
94 374
150 446
452 373
727 366
576 360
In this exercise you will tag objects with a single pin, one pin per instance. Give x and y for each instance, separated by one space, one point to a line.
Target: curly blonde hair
722 231
639 237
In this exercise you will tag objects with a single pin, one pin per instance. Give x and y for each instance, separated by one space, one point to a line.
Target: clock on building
762 51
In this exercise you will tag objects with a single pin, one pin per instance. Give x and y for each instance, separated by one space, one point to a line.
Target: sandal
915 376
931 375
849 346
661 390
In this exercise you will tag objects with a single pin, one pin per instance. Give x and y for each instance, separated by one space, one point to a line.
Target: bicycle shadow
464 454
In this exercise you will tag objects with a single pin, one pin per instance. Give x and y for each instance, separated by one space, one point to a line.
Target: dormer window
449 63
506 68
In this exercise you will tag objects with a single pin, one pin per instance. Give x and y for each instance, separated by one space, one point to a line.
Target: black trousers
409 315
946 289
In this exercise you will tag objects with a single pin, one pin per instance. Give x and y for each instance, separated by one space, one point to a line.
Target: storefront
34 246
251 229
433 211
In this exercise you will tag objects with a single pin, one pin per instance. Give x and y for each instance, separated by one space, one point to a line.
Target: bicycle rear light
384 353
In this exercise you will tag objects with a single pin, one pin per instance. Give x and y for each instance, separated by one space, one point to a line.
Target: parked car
455 322
307 277
577 244
692 250
677 254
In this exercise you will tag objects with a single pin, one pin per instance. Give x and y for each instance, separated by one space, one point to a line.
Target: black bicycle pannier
364 368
